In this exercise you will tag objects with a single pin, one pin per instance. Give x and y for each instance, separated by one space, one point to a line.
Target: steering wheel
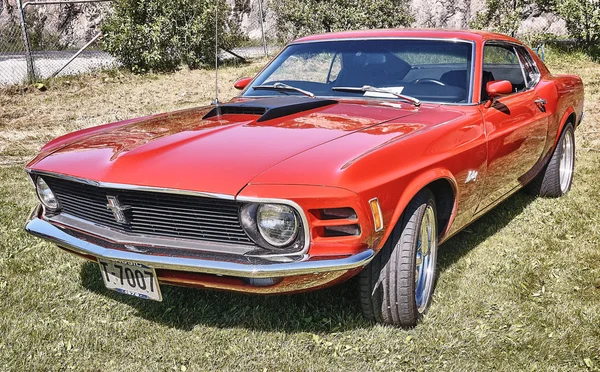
429 81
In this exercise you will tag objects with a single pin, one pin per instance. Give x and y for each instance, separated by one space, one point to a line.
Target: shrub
582 18
501 16
162 35
301 17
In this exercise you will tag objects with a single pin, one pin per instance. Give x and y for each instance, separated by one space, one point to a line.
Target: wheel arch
443 185
568 117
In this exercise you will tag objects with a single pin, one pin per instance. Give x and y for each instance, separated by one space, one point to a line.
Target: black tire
548 182
387 285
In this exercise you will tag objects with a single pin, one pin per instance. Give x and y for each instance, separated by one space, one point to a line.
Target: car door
516 125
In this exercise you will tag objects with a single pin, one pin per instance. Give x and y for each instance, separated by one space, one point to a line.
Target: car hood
198 150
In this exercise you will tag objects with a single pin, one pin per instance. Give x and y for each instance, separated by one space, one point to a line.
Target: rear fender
563 122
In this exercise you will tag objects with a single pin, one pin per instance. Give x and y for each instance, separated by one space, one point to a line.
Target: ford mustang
349 154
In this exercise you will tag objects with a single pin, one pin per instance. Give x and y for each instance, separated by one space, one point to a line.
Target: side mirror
497 88
242 83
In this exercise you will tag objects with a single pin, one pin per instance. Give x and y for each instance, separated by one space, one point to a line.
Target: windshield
428 70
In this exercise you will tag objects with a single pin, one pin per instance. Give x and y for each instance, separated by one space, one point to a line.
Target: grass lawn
518 290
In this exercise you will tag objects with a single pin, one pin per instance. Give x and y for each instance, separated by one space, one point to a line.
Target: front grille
153 213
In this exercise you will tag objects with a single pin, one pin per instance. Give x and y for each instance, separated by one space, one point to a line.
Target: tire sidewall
568 128
413 260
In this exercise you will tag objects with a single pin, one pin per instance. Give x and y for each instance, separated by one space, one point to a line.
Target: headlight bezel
42 187
249 221
283 210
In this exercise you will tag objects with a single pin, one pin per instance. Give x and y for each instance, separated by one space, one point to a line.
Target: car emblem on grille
117 209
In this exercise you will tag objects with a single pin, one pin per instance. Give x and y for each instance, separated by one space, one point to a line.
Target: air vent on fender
270 108
335 222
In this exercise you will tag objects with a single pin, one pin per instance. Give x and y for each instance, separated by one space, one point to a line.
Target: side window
501 62
532 73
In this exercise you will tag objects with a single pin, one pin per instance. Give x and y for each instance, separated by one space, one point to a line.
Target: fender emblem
117 209
471 176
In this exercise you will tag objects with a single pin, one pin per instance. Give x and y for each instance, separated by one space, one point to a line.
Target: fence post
262 28
28 56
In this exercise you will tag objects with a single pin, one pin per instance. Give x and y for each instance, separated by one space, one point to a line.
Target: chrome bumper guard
266 269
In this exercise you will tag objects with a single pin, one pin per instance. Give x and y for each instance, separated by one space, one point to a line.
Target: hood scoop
270 108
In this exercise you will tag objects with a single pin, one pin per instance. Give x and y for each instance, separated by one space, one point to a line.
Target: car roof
472 35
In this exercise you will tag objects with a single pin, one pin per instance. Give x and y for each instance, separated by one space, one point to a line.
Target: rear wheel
397 286
557 176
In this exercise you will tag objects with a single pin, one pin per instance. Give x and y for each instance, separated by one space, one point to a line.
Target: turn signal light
377 216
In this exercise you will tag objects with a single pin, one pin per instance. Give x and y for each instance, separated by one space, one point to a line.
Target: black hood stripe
270 108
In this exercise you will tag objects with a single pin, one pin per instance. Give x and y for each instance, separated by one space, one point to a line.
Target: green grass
518 290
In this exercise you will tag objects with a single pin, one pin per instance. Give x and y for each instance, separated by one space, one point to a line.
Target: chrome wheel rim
425 259
566 161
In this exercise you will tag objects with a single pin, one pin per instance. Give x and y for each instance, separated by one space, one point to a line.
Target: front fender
413 187
311 199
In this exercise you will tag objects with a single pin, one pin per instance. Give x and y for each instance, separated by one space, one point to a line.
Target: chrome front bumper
249 269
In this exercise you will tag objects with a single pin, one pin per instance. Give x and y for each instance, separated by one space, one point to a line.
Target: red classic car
353 153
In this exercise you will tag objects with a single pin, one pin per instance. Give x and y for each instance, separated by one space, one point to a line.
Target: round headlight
45 195
277 224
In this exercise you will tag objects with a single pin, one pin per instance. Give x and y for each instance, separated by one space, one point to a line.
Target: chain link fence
13 63
257 24
45 38
63 37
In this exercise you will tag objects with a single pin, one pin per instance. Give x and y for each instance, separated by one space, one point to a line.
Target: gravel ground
13 67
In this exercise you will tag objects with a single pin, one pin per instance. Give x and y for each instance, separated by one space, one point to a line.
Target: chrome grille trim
149 244
152 214
123 186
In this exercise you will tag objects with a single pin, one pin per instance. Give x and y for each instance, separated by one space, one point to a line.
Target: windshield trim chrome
457 40
471 101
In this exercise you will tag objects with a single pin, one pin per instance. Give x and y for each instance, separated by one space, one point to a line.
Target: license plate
130 278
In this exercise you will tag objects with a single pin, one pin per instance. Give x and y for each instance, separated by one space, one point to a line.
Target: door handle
541 104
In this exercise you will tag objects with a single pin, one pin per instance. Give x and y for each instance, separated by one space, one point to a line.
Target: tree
162 35
582 18
503 16
301 17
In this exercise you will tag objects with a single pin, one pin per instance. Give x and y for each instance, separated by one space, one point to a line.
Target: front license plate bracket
130 278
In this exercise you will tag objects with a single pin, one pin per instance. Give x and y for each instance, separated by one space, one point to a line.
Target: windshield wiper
368 88
282 86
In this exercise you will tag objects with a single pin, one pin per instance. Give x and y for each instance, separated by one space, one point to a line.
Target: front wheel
397 286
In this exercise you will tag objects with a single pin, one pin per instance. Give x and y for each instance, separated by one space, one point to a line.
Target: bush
582 18
301 17
162 35
501 16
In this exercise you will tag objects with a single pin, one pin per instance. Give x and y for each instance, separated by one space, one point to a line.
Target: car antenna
216 101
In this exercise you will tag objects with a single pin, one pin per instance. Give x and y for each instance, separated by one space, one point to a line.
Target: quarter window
501 62
532 74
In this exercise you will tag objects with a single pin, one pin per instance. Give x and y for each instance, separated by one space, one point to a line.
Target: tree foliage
301 17
162 35
582 18
502 16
